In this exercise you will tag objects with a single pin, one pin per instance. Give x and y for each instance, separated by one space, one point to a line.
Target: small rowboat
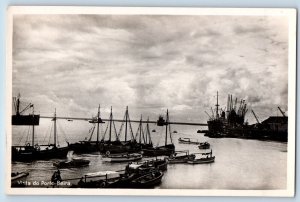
18 176
135 170
204 145
202 160
100 179
181 157
148 180
206 158
160 164
114 158
17 179
154 164
187 140
72 163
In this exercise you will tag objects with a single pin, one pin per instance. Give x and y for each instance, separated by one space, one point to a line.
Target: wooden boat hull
113 147
166 150
147 181
60 152
16 177
72 164
183 159
175 161
112 179
150 152
117 147
161 166
123 158
147 166
100 179
202 160
31 154
204 145
124 181
84 147
19 176
183 141
158 164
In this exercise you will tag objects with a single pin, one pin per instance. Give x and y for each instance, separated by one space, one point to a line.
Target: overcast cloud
150 63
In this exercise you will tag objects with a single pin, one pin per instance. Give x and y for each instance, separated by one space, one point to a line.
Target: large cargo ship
230 122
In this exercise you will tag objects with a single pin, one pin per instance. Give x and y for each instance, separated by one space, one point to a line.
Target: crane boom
283 114
255 116
207 114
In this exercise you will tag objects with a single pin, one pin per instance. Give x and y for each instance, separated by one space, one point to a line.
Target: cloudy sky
150 63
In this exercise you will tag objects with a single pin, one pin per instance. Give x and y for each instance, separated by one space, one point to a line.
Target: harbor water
240 164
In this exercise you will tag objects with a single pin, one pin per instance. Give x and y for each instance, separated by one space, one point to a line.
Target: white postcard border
290 13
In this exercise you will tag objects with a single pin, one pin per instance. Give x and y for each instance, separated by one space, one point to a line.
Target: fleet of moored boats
137 173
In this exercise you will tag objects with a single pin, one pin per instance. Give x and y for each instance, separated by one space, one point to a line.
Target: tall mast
217 106
98 120
55 128
231 103
148 131
126 119
235 104
167 122
33 126
228 103
147 127
140 140
110 120
18 105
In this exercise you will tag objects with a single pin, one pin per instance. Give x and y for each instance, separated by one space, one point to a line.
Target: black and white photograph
151 101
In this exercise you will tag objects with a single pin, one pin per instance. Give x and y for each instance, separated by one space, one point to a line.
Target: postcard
150 101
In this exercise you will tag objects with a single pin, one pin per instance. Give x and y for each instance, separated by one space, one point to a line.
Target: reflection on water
239 164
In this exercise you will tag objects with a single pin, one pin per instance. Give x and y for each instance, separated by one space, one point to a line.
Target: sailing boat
167 149
130 144
89 146
144 135
148 141
117 146
35 152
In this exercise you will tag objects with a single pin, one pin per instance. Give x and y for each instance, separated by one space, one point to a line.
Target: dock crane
255 117
207 114
283 114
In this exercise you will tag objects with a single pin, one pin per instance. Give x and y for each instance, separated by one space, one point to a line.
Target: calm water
239 163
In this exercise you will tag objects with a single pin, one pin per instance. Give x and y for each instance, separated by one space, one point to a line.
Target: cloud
149 63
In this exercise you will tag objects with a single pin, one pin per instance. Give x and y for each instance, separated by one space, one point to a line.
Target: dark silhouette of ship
167 149
19 118
34 151
231 123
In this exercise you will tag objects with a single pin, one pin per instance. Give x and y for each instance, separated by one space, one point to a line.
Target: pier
121 120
